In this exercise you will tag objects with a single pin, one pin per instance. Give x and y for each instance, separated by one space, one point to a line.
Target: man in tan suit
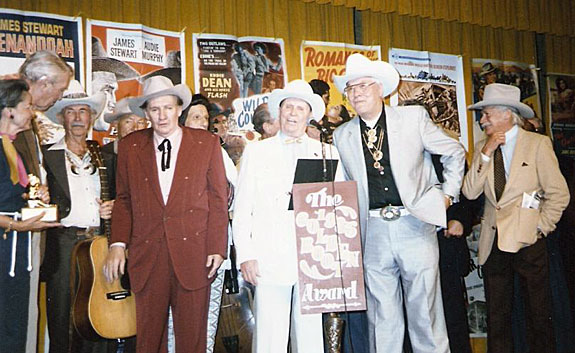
525 195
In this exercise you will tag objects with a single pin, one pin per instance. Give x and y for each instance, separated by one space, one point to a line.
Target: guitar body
100 309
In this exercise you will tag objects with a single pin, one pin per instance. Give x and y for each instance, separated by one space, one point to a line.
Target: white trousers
278 317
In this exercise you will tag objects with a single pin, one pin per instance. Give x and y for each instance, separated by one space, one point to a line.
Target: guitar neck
98 161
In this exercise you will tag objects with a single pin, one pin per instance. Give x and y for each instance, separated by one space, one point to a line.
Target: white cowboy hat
358 66
122 108
297 89
158 86
506 95
75 95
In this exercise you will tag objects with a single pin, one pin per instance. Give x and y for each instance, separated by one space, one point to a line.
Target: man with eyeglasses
386 151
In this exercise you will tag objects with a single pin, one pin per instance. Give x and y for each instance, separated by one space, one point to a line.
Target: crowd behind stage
191 202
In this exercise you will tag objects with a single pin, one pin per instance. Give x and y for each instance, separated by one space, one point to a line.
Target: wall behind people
542 16
291 20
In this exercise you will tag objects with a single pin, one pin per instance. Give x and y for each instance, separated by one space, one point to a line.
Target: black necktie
498 173
166 148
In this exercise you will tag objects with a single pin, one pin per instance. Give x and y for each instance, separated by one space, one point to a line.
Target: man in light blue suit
383 149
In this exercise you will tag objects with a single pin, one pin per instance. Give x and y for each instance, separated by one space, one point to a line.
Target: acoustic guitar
100 309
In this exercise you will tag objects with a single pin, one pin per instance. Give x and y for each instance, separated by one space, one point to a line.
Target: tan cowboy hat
122 108
75 95
297 89
158 86
505 95
358 66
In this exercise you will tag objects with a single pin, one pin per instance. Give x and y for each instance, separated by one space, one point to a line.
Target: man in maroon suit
171 213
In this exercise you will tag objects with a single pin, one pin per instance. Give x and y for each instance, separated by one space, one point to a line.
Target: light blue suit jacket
411 133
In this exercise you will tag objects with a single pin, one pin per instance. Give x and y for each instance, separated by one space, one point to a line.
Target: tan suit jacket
534 167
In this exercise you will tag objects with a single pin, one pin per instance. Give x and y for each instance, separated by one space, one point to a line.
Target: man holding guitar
171 213
74 185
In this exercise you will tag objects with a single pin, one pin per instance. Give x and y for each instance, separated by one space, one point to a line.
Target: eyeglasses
360 87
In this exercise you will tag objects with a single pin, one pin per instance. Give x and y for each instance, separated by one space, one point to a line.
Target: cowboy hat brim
96 102
279 95
524 110
119 68
182 91
379 70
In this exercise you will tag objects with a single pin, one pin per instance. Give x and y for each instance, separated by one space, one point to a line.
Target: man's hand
250 271
115 263
496 139
106 208
454 229
214 261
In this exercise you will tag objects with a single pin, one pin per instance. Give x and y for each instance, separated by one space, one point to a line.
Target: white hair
517 119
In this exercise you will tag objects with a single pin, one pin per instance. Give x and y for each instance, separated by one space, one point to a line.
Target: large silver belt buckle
390 213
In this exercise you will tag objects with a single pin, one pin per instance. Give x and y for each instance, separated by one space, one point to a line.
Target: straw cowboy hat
158 86
172 70
122 108
505 95
75 95
358 66
297 89
101 62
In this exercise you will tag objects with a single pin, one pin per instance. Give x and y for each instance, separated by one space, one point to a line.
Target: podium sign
329 247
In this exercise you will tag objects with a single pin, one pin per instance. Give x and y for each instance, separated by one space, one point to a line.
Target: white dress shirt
166 177
84 185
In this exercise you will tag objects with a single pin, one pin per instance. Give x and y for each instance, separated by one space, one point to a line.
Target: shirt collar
372 123
58 146
511 134
283 137
174 138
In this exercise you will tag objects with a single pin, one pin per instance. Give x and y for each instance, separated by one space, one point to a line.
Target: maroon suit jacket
193 223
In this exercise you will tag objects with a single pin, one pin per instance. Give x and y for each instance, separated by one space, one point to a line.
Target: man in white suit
383 150
264 228
525 195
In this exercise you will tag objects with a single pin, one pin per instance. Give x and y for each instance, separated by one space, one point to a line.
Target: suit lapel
393 122
355 146
187 151
147 157
516 162
57 162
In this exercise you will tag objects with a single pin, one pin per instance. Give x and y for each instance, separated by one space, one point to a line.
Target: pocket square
524 164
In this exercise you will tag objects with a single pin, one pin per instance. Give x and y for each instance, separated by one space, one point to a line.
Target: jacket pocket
527 225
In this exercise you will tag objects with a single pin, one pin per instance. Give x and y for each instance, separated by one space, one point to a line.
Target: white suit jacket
263 227
534 167
410 132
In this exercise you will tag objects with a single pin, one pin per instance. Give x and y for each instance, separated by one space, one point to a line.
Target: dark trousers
531 264
453 267
14 294
56 271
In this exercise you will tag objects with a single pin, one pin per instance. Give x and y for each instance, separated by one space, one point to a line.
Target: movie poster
486 71
22 33
477 306
435 81
237 75
562 108
322 60
122 56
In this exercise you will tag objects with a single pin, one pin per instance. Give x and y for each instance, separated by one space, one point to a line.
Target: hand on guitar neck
106 208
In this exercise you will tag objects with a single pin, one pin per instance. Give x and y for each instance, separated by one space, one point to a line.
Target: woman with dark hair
196 115
15 243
